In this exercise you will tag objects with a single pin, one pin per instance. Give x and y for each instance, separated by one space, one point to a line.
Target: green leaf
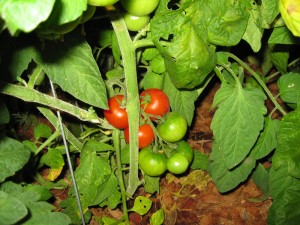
25 15
238 121
42 131
279 57
20 59
93 145
158 217
188 58
181 101
285 191
150 53
106 190
224 178
41 212
11 209
260 177
4 113
113 200
267 140
200 161
71 65
152 80
224 22
282 35
141 205
54 159
254 31
269 10
70 208
13 156
157 64
42 192
116 48
289 87
65 11
90 175
288 151
151 184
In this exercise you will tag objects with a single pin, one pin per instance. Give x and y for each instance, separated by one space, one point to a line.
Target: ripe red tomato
152 163
145 136
116 115
154 102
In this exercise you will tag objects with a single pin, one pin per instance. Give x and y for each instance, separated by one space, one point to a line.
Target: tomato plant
102 2
177 163
139 8
188 48
116 115
135 23
145 135
173 128
154 102
152 163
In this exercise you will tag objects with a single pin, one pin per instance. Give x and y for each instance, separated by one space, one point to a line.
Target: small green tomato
135 23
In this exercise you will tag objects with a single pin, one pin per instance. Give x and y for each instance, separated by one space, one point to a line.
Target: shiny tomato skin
116 115
102 2
177 163
145 136
139 7
154 102
174 127
186 150
135 23
152 163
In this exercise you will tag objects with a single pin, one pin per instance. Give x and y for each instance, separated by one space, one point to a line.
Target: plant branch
116 140
30 95
259 80
133 105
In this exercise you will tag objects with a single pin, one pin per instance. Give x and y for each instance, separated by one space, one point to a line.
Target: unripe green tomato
102 2
88 13
186 150
139 7
173 128
152 163
177 163
135 23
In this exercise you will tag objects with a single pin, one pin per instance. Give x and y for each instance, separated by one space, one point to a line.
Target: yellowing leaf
54 173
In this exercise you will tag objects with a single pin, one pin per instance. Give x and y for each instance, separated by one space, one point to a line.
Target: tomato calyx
155 103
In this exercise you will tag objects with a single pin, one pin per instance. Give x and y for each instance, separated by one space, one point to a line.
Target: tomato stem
117 147
133 104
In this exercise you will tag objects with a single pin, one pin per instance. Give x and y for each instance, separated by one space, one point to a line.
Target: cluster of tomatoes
174 154
137 14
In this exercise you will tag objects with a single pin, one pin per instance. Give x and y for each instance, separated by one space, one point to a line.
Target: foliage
186 46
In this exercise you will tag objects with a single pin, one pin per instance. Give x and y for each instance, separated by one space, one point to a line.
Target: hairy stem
133 105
